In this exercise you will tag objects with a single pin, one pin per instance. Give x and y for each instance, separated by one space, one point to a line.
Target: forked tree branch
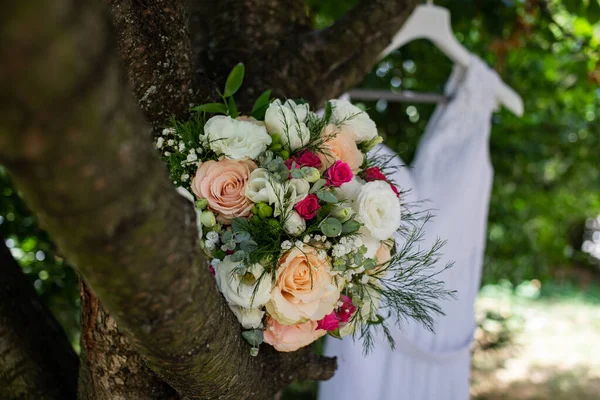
78 147
36 359
154 45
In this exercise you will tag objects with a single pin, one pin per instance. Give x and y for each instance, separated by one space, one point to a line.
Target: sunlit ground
553 346
533 344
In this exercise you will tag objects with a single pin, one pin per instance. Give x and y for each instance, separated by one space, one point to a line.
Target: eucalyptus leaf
227 236
242 236
238 256
318 185
331 227
214 108
254 337
327 197
351 226
297 174
234 80
249 246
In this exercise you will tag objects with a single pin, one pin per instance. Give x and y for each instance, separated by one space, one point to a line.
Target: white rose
349 191
234 138
288 120
294 224
261 187
361 126
249 318
369 242
297 189
240 289
378 209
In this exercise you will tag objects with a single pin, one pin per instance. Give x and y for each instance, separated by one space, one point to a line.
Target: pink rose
304 288
291 337
330 322
223 184
308 207
347 309
373 174
308 159
339 173
339 145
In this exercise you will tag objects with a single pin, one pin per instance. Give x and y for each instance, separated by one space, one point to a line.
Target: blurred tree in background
547 173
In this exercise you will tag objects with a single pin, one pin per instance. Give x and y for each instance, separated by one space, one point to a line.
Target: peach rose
339 145
384 253
304 289
291 337
223 184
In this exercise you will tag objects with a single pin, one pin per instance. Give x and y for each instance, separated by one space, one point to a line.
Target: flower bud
342 213
294 225
201 204
208 219
311 174
265 211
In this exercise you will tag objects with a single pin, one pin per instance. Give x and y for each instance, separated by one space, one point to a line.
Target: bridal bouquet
299 220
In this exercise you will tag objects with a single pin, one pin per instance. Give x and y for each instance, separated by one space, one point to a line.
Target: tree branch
36 359
110 368
155 48
322 65
79 149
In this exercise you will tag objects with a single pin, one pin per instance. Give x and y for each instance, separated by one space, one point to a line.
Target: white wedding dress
452 170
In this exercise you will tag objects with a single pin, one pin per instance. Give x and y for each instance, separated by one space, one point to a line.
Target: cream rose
241 289
339 146
304 287
291 337
236 139
288 120
294 224
223 184
378 209
249 318
261 187
360 127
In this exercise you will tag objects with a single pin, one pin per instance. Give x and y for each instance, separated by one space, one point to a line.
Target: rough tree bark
79 148
36 359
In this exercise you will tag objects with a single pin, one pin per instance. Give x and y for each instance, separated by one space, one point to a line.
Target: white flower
371 244
349 191
236 139
240 289
378 209
297 189
212 236
294 224
249 318
361 126
288 120
261 187
159 142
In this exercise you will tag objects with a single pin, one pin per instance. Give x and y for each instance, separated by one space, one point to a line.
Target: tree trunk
36 359
78 146
110 369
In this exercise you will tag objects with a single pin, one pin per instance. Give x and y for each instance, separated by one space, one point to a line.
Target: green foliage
234 80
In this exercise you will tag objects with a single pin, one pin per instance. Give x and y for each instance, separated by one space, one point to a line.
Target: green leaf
238 256
232 108
351 226
327 197
214 108
262 101
240 225
259 114
234 80
248 246
328 111
318 185
242 236
331 227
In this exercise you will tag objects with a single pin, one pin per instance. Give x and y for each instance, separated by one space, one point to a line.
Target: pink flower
291 337
373 174
347 309
211 269
394 189
339 173
329 323
308 159
308 207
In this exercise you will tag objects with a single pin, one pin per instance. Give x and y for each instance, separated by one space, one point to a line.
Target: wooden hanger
433 23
